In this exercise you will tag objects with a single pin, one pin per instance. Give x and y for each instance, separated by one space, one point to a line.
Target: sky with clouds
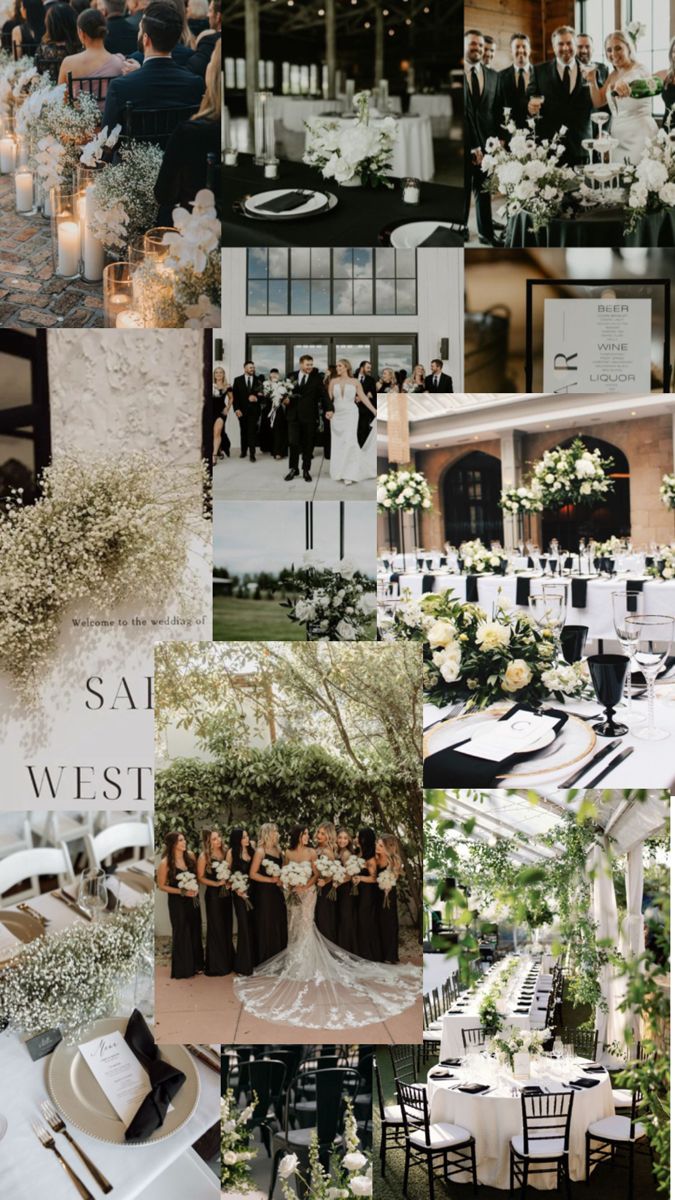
260 536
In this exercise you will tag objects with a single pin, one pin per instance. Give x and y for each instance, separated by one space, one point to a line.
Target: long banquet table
453 1021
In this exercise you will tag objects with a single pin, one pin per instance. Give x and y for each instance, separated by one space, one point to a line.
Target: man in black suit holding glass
559 95
513 84
480 94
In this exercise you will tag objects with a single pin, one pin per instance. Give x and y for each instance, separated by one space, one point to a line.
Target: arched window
471 490
605 519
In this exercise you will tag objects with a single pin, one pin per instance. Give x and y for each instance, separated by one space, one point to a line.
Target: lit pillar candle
7 155
68 248
129 320
23 182
93 252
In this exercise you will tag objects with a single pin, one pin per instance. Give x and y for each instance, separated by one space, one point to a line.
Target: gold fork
56 1122
33 912
49 1144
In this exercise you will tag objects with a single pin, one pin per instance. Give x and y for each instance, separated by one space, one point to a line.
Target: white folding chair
31 864
125 836
50 828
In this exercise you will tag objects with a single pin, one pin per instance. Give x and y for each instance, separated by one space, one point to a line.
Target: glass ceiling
425 406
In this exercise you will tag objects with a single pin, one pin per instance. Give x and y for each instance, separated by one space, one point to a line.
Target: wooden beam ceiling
302 16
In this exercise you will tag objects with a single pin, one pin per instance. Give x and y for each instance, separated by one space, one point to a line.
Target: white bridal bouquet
186 881
234 1143
529 174
223 874
667 490
273 869
292 875
359 152
386 880
402 491
353 867
239 884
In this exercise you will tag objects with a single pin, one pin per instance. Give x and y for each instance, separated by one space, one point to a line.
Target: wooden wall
501 18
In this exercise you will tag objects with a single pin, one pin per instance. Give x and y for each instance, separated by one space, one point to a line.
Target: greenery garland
73 978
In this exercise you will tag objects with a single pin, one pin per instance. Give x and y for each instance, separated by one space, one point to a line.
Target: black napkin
427 583
394 577
649 560
532 1089
633 588
530 562
473 1088
442 1075
451 1062
472 589
569 564
165 1080
595 1069
579 590
285 203
441 237
522 591
450 768
585 1083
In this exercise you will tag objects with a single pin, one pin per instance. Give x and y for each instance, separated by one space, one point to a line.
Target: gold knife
73 904
203 1058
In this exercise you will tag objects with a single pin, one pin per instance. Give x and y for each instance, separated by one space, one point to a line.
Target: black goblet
608 675
573 642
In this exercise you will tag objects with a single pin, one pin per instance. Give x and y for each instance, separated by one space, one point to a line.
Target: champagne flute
655 636
627 637
92 892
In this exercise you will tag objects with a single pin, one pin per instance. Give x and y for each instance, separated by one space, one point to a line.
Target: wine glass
547 609
573 642
92 892
654 639
627 637
608 673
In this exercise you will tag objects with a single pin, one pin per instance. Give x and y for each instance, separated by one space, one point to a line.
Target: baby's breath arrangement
56 131
73 978
234 1144
124 196
103 530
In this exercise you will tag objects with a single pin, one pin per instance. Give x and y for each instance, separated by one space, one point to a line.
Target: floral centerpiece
11 70
346 1176
361 152
333 604
478 560
124 204
489 1015
293 875
529 174
235 1140
515 500
575 475
667 490
517 1041
471 658
403 491
663 566
653 186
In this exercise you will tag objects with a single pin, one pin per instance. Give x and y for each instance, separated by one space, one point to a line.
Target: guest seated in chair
121 37
184 48
60 40
32 27
199 61
183 170
160 82
93 60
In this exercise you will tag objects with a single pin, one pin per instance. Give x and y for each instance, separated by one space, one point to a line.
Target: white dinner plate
255 204
407 237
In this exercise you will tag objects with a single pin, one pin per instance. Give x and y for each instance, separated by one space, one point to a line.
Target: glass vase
66 232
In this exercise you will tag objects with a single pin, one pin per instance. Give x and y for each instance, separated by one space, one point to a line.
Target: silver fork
56 1122
48 1142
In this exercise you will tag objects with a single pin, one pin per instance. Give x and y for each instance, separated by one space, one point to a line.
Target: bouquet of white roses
223 874
362 149
478 560
575 475
403 491
240 884
293 875
186 881
234 1143
272 868
514 500
334 604
353 867
529 174
667 490
663 566
386 880
332 870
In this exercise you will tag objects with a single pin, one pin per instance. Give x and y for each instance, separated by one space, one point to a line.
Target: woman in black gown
222 403
367 924
187 955
388 855
269 907
218 904
346 902
239 859
325 913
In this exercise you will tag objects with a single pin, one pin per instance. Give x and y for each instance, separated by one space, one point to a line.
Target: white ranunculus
441 633
449 661
288 1166
490 635
229 1158
354 1161
361 1185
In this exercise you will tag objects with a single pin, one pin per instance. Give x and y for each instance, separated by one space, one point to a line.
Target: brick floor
30 294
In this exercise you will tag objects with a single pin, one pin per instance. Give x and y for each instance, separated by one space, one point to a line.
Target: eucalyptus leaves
104 531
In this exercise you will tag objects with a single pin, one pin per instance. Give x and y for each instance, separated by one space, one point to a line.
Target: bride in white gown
631 120
348 460
314 983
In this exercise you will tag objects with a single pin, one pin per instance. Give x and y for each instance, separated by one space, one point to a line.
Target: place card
517 734
118 1073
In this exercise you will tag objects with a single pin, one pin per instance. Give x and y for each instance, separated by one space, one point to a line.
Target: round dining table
495 1116
436 106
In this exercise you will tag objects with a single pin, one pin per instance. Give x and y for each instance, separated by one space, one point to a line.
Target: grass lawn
247 620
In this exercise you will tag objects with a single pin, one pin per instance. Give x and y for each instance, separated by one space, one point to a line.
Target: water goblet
92 892
608 674
626 604
654 639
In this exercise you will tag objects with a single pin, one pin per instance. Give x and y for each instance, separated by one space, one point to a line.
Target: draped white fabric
611 1023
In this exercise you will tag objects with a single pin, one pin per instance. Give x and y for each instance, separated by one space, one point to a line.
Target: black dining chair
264 1090
153 124
475 1035
403 1064
93 85
431 1034
618 1138
443 1144
544 1143
333 1086
585 1041
392 1127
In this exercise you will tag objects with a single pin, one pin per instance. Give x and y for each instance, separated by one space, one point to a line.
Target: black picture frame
530 285
30 421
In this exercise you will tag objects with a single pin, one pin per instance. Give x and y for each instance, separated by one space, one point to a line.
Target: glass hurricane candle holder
154 244
24 190
8 153
411 191
118 301
153 291
263 128
66 232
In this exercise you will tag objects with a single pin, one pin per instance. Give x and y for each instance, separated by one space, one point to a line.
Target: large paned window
352 281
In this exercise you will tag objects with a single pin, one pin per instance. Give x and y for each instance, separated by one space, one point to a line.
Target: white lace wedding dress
348 460
313 983
632 121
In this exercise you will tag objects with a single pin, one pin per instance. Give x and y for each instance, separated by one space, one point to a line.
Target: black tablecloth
360 216
593 229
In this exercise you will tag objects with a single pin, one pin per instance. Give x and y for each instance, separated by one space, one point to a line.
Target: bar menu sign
599 345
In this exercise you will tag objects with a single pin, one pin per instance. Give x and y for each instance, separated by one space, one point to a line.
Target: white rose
510 174
442 633
426 504
381 495
535 169
585 466
346 631
361 1185
653 173
449 661
386 503
667 194
525 190
354 1161
492 636
229 1158
288 1166
516 676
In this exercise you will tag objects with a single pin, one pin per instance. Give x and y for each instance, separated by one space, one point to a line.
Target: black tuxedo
572 109
160 83
247 402
121 36
445 383
509 96
366 418
302 417
480 123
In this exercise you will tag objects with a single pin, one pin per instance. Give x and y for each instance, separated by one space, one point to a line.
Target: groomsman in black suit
369 385
480 94
302 415
566 97
247 392
489 50
513 85
438 381
585 56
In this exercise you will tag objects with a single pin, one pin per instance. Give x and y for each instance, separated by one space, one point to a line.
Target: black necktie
521 80
566 79
475 86
249 382
436 382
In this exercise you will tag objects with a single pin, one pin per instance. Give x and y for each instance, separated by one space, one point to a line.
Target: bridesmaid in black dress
239 859
388 855
346 902
218 904
222 403
269 906
325 913
187 955
367 923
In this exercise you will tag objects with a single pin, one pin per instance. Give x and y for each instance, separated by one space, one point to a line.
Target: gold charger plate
574 743
137 882
23 926
83 1103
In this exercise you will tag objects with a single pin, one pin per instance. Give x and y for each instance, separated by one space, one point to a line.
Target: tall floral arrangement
653 186
361 151
334 604
667 490
57 131
529 174
575 475
403 491
235 1141
124 204
663 566
515 500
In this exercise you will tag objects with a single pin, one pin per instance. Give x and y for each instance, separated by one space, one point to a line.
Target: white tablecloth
394 102
29 1171
413 149
293 111
61 916
437 108
452 1045
496 1117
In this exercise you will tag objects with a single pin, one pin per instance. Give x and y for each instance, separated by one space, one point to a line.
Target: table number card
118 1073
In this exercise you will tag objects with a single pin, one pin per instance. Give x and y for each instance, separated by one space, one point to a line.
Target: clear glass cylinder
118 300
93 250
263 127
24 190
153 241
8 153
66 232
